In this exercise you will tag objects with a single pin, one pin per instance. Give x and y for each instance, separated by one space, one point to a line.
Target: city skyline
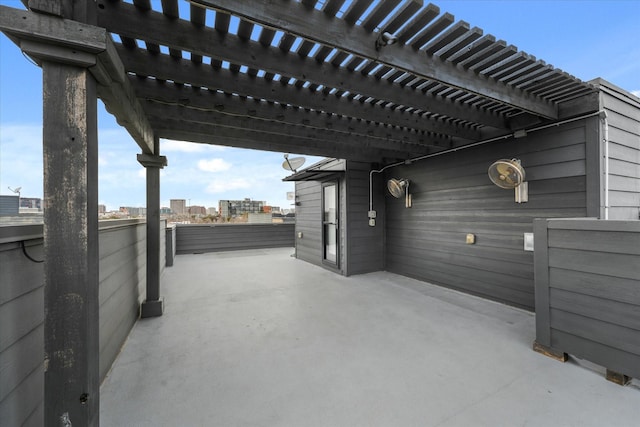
561 33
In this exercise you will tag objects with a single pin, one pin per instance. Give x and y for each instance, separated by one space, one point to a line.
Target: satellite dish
399 188
292 164
507 173
510 174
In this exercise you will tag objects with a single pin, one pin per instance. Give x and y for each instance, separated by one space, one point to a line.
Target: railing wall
122 288
587 283
200 238
21 326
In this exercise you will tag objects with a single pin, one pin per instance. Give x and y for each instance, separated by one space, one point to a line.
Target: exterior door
330 231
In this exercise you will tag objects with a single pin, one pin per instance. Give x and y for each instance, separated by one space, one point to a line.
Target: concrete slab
258 338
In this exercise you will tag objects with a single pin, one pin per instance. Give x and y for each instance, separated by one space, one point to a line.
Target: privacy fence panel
587 284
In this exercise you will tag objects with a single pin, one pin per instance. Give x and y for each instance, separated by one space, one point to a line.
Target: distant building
9 205
31 202
233 208
212 211
178 206
197 210
165 211
102 209
133 211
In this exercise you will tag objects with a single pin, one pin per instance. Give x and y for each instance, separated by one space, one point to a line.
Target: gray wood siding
623 116
453 196
200 238
21 332
588 290
122 288
309 222
364 244
123 275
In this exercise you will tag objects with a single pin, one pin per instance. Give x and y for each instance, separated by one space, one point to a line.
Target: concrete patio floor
258 338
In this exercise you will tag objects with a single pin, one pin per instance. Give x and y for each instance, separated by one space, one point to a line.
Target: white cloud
213 165
21 158
222 185
170 145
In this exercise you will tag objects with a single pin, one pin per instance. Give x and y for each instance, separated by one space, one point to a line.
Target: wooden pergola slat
208 43
163 67
314 25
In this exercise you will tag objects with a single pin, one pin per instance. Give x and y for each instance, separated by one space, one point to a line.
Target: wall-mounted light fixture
385 39
398 188
508 174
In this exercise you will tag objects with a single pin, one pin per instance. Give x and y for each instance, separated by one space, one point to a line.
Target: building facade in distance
233 208
178 206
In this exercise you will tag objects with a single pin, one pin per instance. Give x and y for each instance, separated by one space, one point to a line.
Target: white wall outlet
528 242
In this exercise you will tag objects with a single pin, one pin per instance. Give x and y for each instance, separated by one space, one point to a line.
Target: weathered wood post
70 149
153 304
79 63
71 277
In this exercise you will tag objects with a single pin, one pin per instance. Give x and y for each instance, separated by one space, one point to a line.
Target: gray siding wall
623 116
453 196
170 244
123 275
364 244
122 288
309 223
200 238
361 246
588 290
21 328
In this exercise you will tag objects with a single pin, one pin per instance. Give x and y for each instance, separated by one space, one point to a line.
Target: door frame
336 184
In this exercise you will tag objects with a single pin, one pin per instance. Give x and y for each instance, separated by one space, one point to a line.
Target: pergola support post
70 149
153 305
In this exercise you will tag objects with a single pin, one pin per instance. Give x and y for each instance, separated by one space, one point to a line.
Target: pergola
378 81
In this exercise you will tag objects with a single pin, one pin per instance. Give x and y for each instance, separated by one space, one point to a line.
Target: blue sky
587 39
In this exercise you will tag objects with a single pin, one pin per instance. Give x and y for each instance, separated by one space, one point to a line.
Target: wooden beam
246 138
291 17
188 117
49 38
165 68
27 25
197 99
154 27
